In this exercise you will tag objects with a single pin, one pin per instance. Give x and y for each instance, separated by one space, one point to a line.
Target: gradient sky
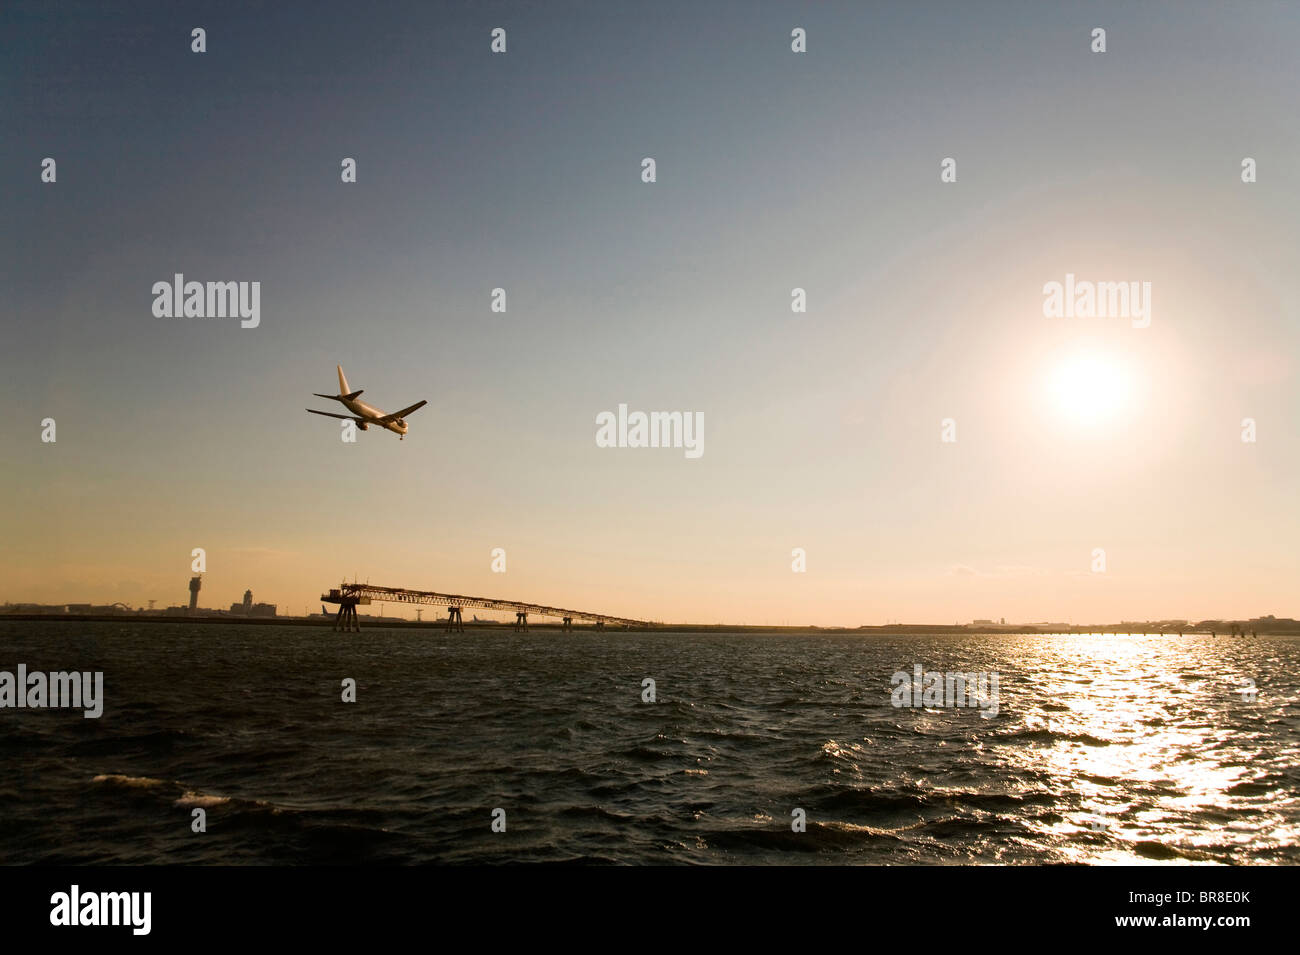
775 170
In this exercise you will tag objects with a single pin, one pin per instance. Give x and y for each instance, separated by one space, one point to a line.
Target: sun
1090 389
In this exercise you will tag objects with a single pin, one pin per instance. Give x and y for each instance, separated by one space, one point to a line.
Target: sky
775 170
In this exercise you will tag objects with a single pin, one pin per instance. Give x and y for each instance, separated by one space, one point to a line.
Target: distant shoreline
397 623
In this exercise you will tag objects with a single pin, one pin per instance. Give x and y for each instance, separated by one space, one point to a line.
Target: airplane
362 413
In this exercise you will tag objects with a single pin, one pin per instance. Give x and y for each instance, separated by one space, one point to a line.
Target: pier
348 596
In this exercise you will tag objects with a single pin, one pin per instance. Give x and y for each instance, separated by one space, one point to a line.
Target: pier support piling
346 619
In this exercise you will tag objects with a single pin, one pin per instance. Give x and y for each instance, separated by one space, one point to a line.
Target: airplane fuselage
373 416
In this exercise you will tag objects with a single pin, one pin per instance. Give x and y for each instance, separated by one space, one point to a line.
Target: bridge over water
348 596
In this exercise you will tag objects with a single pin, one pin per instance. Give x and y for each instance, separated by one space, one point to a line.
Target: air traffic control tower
195 582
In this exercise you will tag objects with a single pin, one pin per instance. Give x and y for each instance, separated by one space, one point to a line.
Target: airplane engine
363 425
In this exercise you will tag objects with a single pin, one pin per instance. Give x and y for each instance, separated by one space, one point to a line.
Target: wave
129 782
1048 736
177 793
201 800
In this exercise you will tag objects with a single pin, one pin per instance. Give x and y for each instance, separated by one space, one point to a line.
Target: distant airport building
98 610
35 608
249 609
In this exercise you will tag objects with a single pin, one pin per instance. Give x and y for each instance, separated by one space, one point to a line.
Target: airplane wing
404 412
344 417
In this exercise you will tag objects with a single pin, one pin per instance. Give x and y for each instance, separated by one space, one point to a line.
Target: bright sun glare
1090 389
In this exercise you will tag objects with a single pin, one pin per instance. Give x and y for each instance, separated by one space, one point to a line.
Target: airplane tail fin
343 383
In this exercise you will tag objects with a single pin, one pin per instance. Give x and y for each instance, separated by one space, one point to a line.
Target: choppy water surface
1105 749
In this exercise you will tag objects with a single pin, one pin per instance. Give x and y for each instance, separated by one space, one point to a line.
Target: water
1129 749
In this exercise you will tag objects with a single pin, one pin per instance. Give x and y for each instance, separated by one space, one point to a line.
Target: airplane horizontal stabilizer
338 397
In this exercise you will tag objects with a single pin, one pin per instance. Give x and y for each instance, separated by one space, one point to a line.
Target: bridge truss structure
348 596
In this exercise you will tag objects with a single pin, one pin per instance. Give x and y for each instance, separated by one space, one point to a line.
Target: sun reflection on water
1165 761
